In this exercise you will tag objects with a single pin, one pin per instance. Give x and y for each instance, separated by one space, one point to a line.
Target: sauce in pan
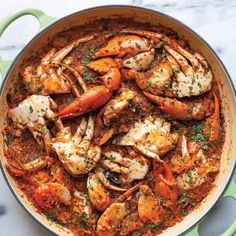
115 129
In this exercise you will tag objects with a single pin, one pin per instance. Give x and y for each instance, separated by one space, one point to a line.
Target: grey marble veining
214 20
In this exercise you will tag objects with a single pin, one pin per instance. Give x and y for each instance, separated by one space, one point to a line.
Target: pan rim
61 19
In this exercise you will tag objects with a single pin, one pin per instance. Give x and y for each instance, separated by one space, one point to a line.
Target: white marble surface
214 20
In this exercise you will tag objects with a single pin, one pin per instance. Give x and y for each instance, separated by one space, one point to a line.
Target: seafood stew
115 128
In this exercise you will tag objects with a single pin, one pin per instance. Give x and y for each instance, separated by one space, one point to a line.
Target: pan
49 26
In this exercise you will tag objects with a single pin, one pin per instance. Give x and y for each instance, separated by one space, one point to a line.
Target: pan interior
139 15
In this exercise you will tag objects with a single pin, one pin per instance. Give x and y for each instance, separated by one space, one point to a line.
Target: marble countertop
214 20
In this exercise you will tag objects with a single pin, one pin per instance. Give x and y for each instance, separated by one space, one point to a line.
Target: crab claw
112 79
179 110
97 185
102 65
19 169
165 186
212 124
50 194
148 208
122 45
109 69
92 99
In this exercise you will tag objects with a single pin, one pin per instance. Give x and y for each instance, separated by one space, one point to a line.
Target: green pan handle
41 17
230 192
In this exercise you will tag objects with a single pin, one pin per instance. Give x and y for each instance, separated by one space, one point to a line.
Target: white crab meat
117 105
81 204
76 152
197 175
152 137
191 79
30 114
110 220
131 168
148 208
141 61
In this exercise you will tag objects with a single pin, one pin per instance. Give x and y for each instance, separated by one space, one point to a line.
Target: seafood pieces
132 168
77 153
31 113
151 137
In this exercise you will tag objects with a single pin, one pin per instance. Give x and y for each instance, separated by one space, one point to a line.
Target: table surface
214 20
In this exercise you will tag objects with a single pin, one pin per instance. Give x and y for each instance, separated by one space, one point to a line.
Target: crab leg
84 144
148 208
99 196
20 169
166 185
212 124
47 58
144 33
77 76
179 110
92 99
80 130
60 55
51 193
112 217
122 45
73 86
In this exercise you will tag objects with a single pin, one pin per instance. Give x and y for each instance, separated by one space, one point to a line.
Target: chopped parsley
140 75
137 45
82 220
164 55
38 89
184 212
190 181
176 69
31 109
87 78
149 84
52 216
41 130
112 158
114 141
9 139
197 135
154 226
88 54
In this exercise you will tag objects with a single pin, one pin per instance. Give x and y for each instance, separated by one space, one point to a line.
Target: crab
134 168
97 185
81 204
94 97
18 169
151 137
49 194
110 112
192 74
212 123
178 74
113 216
124 106
195 172
31 113
165 184
123 45
148 208
48 77
77 154
196 109
184 162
